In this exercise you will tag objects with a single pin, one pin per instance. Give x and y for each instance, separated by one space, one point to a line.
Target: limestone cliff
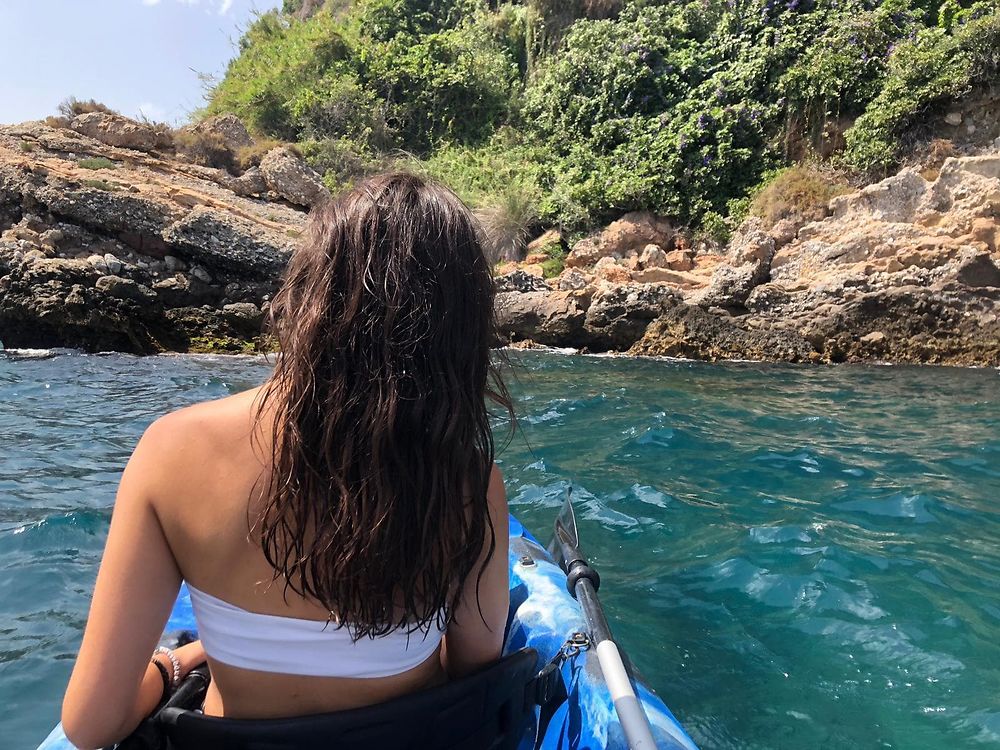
905 270
110 240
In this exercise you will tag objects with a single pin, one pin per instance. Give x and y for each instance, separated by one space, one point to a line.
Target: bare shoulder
496 498
176 443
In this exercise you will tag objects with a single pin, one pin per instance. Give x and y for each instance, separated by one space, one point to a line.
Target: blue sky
136 56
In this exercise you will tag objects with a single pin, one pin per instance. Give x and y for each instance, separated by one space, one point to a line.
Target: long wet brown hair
382 448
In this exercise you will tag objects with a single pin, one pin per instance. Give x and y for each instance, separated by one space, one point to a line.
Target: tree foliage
584 109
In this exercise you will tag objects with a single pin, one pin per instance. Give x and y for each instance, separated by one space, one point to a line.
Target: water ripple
795 557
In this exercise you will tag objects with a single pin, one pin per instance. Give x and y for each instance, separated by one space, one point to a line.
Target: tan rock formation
627 236
291 178
104 258
119 131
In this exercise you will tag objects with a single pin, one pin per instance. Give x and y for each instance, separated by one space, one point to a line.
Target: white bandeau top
289 645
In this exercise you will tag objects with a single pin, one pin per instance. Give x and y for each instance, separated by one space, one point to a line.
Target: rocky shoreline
904 270
107 243
110 242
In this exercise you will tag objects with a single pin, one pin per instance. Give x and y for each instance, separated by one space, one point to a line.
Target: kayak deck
542 616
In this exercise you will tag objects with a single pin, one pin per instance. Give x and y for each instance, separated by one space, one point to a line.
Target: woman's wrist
190 655
178 662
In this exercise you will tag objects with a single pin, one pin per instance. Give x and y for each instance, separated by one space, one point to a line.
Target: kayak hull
542 616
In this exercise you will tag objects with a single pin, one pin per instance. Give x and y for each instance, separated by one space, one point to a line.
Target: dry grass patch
205 149
801 194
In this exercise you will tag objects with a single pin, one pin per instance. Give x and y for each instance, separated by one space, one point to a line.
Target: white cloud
225 6
150 2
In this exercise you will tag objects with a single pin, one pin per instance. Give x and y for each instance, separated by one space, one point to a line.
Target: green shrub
388 74
340 161
714 229
97 162
933 68
27 146
843 69
555 260
598 107
448 86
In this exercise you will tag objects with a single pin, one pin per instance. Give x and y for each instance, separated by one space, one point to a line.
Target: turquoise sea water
794 557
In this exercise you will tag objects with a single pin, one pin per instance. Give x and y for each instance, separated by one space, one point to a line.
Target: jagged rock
690 332
627 236
112 263
185 291
226 242
291 178
572 279
619 314
784 232
245 317
730 286
751 245
120 288
977 269
610 270
521 281
767 297
102 287
98 263
52 237
750 255
117 130
894 199
173 264
679 260
652 256
250 184
551 318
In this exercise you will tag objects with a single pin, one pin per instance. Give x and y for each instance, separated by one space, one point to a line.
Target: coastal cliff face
905 270
110 242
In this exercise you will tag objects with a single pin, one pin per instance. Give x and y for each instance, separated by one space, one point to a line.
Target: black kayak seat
489 710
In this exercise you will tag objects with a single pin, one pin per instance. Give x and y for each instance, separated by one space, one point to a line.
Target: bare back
196 471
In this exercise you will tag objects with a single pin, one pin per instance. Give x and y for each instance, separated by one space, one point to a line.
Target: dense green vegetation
569 112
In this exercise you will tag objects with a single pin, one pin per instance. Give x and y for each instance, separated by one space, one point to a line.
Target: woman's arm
113 685
471 643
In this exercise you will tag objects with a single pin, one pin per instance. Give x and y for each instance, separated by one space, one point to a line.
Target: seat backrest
489 710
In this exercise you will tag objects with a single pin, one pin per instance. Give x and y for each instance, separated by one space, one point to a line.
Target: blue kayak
543 616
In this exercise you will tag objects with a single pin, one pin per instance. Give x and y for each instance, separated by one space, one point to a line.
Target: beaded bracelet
174 661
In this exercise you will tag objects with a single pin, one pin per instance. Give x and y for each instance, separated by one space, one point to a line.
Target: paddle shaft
633 719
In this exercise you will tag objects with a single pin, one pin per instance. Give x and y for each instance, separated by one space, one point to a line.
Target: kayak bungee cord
582 581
